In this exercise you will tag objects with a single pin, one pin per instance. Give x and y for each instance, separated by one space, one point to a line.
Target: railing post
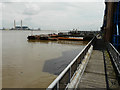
119 60
118 67
58 86
77 63
69 74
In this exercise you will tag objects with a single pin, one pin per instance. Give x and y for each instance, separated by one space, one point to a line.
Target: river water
34 64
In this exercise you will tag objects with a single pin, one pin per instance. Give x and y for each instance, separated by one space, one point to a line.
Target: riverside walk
99 72
92 68
97 66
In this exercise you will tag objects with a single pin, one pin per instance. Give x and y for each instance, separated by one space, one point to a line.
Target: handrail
70 69
115 56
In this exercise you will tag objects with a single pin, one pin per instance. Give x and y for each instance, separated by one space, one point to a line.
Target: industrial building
20 27
111 23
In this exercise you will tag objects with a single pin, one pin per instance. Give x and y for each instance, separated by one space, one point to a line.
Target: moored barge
53 37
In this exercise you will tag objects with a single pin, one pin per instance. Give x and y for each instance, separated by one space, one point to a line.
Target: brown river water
34 64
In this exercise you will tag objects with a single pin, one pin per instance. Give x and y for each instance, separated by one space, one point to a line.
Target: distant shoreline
35 30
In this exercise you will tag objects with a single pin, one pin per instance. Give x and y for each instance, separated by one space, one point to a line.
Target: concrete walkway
94 75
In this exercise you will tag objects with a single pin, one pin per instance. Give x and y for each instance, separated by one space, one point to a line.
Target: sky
52 15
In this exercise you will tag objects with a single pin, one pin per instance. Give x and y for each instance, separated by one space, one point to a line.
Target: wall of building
108 21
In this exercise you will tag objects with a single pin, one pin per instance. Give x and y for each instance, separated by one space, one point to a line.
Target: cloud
31 9
54 15
0 14
55 0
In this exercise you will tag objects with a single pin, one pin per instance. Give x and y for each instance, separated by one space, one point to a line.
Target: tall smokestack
14 24
21 24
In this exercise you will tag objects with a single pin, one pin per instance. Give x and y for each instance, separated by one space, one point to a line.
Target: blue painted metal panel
116 36
117 21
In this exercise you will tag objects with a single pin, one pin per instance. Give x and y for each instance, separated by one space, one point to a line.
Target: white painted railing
66 75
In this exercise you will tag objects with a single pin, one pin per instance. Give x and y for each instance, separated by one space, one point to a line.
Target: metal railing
115 55
66 75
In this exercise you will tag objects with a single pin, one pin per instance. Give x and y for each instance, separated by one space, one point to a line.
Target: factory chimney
21 24
14 24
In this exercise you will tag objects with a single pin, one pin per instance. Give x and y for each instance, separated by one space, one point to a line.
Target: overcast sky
53 15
